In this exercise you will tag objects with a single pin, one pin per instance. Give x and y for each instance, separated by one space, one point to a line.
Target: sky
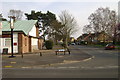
80 9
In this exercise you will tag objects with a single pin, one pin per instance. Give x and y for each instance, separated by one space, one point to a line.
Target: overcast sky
80 9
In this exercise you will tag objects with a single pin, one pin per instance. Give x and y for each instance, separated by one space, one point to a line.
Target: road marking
89 58
13 62
8 66
61 67
70 61
72 67
113 66
26 67
60 56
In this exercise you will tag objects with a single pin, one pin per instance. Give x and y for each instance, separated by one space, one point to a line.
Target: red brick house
25 37
95 37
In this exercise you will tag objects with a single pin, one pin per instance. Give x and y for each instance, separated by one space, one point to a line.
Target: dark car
109 46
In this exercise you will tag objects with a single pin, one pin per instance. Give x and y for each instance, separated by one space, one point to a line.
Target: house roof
87 36
23 25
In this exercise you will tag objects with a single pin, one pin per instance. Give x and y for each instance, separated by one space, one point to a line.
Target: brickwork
37 31
20 43
30 46
40 43
23 42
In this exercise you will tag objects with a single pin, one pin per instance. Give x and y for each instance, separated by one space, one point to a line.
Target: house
79 38
72 39
95 37
85 37
25 36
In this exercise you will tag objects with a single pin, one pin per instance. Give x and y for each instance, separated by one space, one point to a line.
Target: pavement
47 59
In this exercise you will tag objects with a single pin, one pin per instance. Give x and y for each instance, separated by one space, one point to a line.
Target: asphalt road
103 64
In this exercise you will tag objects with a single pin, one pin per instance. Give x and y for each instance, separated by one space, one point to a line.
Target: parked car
77 43
109 46
72 43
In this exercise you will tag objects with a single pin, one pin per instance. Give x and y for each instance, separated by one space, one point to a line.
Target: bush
84 42
49 44
118 43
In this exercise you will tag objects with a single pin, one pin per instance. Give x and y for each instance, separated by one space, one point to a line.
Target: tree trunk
66 43
114 38
55 39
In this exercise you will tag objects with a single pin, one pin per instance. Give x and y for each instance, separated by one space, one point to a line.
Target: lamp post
0 34
11 27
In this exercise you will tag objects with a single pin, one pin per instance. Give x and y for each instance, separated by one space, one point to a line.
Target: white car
72 43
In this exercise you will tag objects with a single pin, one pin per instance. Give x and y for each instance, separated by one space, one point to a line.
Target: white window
7 41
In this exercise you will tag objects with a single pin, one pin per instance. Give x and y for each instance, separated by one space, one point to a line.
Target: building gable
24 25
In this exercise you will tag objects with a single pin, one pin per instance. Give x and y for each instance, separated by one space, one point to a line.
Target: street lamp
12 18
0 34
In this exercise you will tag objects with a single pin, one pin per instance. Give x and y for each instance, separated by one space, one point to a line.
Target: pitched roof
87 36
23 25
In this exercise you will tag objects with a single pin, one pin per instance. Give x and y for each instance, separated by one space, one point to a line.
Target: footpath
47 59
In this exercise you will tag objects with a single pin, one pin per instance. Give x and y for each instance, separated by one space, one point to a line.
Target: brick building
25 37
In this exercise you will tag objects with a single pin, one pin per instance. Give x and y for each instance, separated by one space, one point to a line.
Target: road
103 64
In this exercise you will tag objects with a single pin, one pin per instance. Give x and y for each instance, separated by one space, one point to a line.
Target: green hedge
49 44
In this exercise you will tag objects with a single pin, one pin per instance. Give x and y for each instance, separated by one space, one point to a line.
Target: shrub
49 44
118 43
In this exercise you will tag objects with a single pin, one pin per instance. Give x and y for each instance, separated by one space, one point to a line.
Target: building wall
15 43
34 44
23 43
37 31
6 42
33 31
20 42
30 45
40 43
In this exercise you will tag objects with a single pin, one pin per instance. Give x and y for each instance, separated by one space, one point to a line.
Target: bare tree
103 20
87 29
17 13
69 25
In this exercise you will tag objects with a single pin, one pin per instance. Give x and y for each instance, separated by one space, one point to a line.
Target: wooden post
22 55
40 53
64 52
